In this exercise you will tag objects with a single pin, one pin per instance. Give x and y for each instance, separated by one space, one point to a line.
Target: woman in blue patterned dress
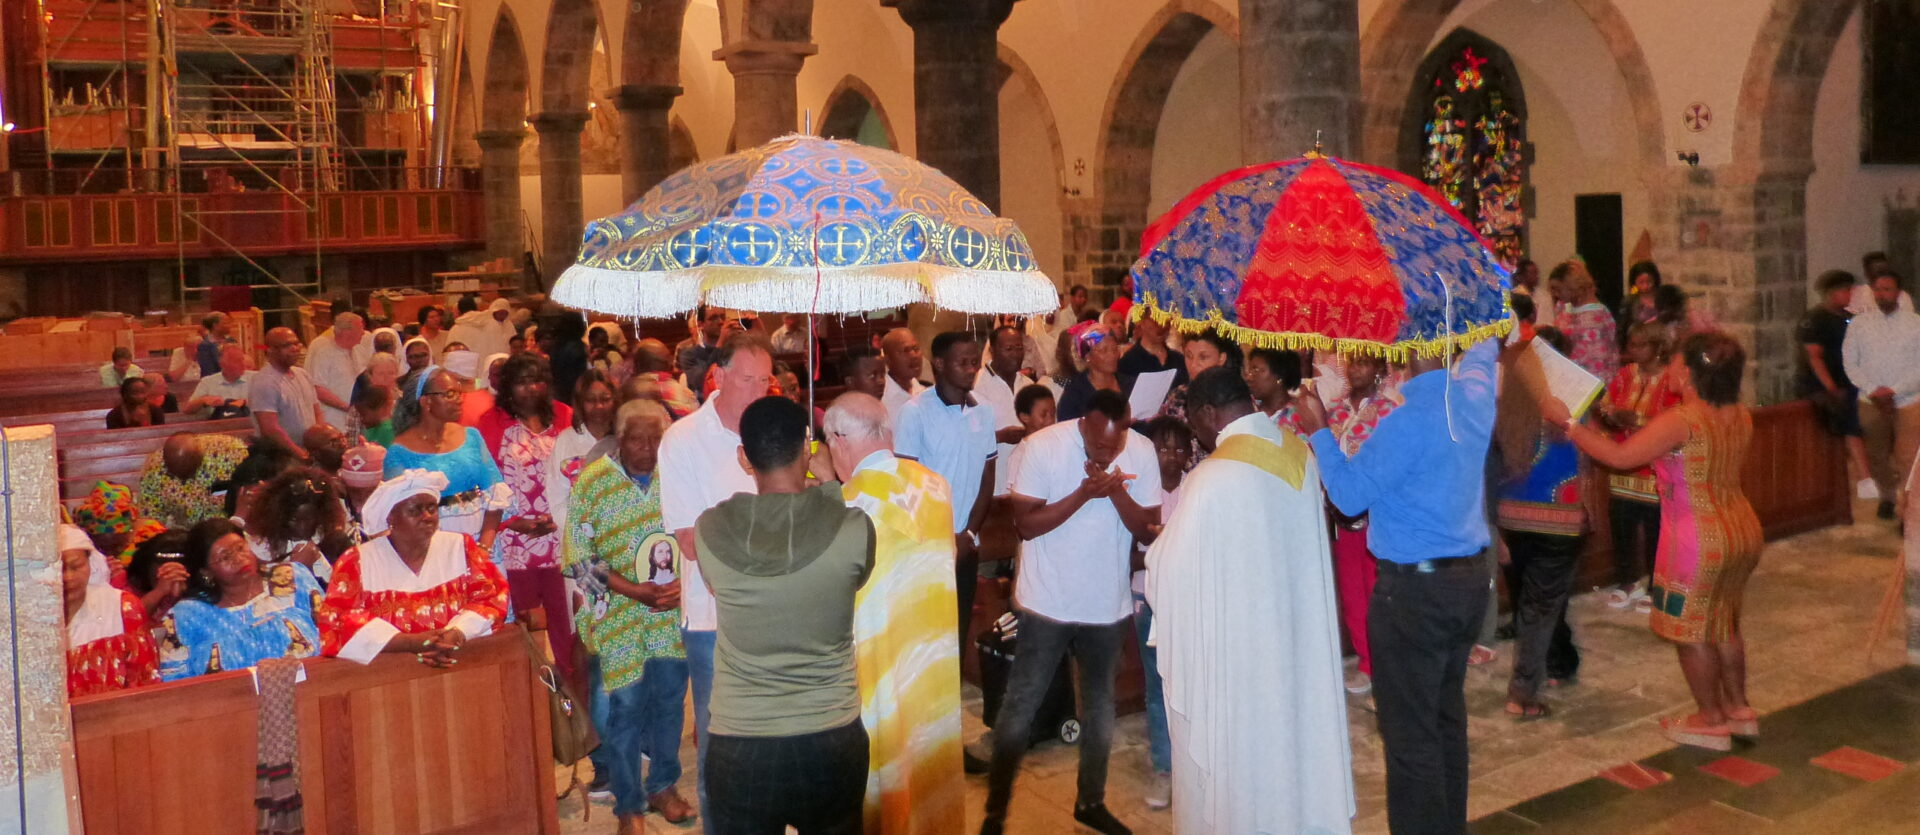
238 611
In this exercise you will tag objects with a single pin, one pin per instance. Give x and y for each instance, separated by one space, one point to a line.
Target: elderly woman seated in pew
417 589
238 611
108 647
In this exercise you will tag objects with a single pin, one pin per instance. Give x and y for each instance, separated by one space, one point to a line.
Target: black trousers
1636 534
1096 654
814 782
1543 643
1422 626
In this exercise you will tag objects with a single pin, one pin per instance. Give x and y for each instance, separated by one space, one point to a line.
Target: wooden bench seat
118 455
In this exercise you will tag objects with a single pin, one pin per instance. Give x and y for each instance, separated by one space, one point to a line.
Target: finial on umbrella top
1317 152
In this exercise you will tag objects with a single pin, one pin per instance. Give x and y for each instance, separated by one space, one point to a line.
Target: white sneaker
1359 682
1866 489
1159 791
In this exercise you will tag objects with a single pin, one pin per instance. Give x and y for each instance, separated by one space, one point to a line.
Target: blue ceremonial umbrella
806 225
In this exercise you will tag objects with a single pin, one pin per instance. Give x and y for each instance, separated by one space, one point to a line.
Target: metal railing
41 182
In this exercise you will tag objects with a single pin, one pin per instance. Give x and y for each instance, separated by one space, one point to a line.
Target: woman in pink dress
520 431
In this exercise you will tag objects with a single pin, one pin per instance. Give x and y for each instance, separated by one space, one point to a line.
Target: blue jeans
1159 746
644 720
700 672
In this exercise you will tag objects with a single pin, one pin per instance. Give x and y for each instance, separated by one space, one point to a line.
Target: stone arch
572 27
650 51
1046 234
1773 125
1395 42
1018 72
1123 164
681 150
503 104
846 109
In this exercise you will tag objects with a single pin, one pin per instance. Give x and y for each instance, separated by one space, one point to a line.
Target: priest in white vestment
1244 623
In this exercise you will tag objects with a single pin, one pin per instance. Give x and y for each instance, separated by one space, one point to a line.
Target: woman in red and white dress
108 646
416 588
1369 398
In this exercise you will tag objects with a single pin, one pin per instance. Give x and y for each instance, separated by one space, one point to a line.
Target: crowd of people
661 515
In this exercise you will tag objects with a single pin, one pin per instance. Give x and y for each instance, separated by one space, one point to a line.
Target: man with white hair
336 359
909 667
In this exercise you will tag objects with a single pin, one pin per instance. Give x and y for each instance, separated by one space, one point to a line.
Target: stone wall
33 622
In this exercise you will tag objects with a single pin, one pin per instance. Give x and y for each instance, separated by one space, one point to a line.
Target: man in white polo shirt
900 350
947 430
700 468
1084 491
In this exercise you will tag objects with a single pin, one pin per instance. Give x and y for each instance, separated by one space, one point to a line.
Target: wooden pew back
392 747
118 455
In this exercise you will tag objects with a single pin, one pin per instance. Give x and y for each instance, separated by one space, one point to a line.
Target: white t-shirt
994 393
699 467
1078 572
954 441
893 397
334 369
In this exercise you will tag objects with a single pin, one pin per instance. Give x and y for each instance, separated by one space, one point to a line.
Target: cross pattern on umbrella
967 245
748 247
842 243
761 204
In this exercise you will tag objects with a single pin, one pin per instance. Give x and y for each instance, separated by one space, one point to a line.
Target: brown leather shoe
671 807
632 825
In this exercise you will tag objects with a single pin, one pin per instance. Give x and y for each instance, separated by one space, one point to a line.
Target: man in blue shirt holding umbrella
1420 479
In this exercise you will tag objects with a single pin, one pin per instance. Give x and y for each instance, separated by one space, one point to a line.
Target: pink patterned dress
523 465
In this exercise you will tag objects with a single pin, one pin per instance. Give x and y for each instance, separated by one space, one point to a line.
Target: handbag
573 732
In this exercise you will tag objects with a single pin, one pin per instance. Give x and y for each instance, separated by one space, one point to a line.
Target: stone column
765 104
1299 75
34 618
562 221
644 131
500 191
956 89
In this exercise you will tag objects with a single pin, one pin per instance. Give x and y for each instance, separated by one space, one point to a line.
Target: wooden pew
65 423
43 391
392 747
118 455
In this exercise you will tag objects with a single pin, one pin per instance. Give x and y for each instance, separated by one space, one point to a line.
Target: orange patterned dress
1709 537
375 593
110 646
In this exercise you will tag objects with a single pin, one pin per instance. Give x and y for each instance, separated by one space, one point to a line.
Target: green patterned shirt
612 522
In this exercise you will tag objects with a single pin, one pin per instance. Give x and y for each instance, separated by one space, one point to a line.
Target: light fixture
7 127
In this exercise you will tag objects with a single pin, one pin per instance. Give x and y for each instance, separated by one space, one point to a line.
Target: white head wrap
72 538
393 491
500 304
484 382
399 342
463 363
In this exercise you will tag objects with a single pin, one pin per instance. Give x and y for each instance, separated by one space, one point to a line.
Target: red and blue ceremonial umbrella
1322 253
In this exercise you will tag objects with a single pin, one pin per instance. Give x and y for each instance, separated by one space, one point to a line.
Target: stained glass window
1472 143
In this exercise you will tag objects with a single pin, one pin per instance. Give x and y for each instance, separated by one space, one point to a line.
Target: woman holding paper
1709 537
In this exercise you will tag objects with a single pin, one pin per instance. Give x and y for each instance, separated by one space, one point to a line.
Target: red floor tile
1636 776
1741 771
1854 762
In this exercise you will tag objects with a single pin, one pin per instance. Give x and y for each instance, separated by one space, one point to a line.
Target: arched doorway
1465 133
853 114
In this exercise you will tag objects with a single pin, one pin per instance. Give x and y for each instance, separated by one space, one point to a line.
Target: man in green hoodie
786 747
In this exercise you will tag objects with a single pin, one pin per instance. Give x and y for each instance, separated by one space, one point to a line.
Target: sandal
1481 655
1528 711
1683 730
1744 721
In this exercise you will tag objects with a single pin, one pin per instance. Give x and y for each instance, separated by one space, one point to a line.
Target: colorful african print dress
1709 538
197 637
909 666
613 526
374 595
108 647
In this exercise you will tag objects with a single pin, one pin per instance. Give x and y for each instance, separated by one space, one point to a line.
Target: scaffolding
249 91
251 120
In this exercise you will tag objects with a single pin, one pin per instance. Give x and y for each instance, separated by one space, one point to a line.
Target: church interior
285 161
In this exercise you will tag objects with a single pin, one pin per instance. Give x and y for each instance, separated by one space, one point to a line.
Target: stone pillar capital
644 96
558 123
500 140
984 13
765 57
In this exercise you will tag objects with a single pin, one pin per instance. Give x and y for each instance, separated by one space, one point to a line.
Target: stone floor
1809 607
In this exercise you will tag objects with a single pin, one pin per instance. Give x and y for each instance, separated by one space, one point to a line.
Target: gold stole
1286 460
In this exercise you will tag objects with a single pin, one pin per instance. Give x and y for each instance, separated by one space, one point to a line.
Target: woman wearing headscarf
238 610
1099 348
419 589
387 341
108 646
430 437
520 432
485 390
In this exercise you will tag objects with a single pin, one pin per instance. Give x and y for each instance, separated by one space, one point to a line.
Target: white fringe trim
659 295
